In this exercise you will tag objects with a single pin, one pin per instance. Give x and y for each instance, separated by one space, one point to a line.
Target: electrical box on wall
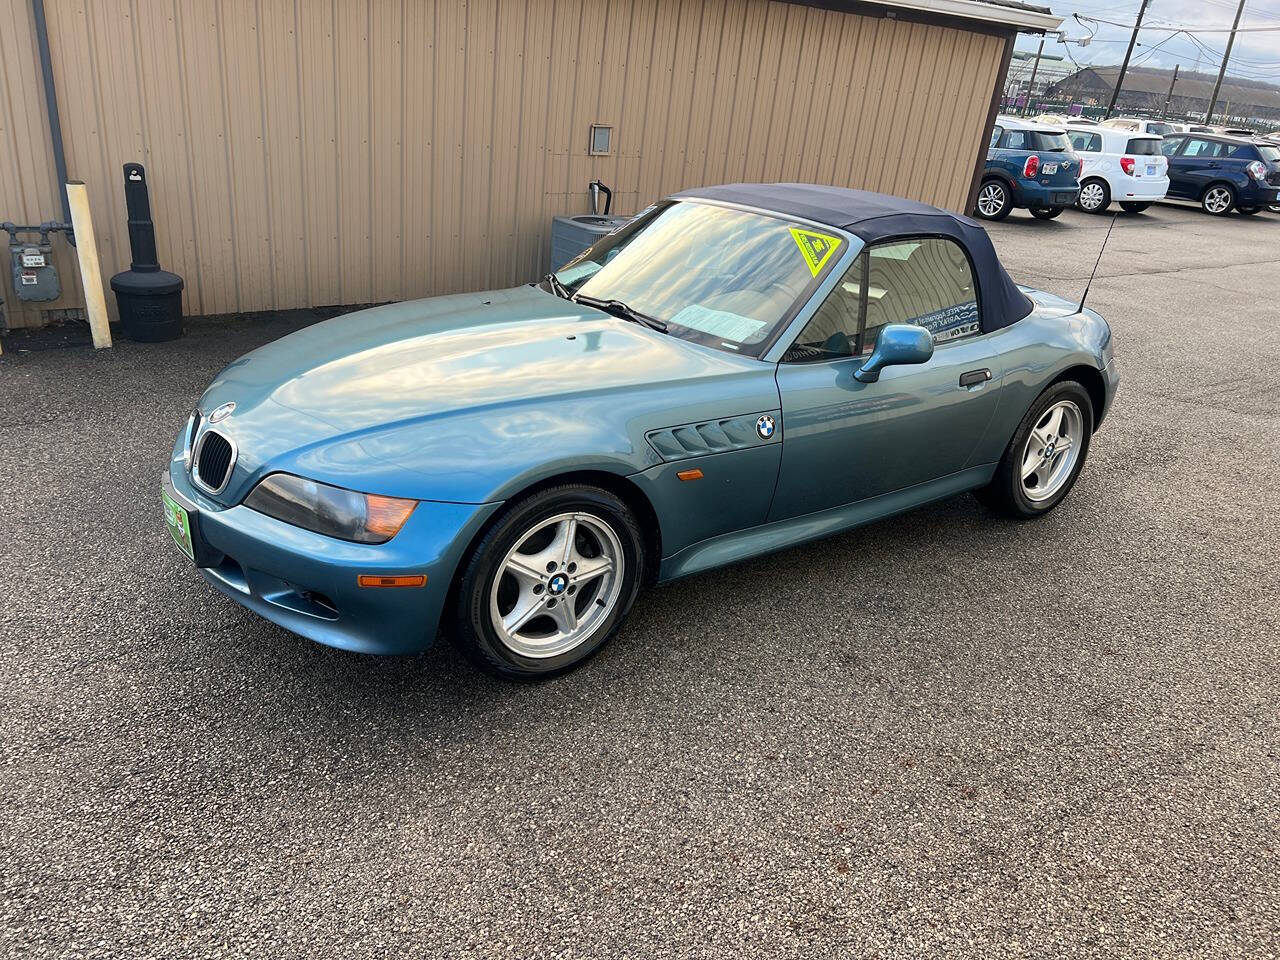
35 278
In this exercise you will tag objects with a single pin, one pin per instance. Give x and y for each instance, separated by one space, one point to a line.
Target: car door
1197 163
844 440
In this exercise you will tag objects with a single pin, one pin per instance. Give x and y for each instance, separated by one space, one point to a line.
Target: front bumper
307 582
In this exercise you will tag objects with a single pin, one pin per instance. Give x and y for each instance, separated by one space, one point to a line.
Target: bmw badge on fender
737 370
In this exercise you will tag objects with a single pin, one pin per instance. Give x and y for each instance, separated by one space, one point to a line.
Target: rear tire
1046 213
1218 200
1095 196
995 200
1032 477
1133 206
549 584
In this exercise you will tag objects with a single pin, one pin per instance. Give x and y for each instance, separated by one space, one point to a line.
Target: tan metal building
306 153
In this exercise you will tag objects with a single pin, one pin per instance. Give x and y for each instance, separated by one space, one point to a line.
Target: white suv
1119 165
1161 128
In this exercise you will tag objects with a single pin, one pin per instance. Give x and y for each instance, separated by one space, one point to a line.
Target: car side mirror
898 344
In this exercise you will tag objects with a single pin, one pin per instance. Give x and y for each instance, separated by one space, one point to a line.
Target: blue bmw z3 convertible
738 369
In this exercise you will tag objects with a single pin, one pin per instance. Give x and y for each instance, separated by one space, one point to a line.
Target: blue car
1223 173
738 370
1029 166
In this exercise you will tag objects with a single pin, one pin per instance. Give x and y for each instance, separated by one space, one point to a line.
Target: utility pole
1169 99
1213 101
1133 39
1035 68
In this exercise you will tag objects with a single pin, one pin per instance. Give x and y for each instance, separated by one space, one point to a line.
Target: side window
1202 148
833 330
927 282
1086 142
1169 146
1015 140
995 136
1243 151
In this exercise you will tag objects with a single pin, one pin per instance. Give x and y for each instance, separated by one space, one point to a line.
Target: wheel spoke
565 616
561 547
526 608
1054 427
1043 473
1031 462
590 568
525 569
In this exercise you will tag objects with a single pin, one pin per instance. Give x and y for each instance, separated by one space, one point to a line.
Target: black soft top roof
873 217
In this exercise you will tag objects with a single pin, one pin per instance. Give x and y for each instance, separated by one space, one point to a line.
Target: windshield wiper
620 309
558 288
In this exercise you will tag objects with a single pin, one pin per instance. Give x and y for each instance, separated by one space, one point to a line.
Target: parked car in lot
1119 165
1161 128
1223 173
737 370
1029 165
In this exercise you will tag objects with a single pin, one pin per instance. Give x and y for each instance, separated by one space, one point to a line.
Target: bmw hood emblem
765 427
221 413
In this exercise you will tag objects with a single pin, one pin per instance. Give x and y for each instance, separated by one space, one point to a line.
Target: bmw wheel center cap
557 584
765 427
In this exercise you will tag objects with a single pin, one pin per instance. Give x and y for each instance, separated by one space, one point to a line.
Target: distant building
1051 70
1145 89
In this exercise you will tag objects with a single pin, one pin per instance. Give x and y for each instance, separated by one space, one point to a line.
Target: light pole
1213 101
1133 39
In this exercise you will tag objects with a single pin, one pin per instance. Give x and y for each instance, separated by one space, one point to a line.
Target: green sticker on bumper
179 524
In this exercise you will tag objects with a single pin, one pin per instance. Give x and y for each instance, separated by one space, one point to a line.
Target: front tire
1218 200
1046 213
1046 454
1095 196
550 583
1133 206
995 201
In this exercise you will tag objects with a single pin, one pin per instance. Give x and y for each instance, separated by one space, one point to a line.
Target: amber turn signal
407 580
694 474
386 515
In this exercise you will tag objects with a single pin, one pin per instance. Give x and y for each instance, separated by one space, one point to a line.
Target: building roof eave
1024 16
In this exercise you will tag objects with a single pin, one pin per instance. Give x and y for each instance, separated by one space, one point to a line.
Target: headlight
333 511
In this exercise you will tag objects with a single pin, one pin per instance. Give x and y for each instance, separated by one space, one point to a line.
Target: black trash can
150 304
149 299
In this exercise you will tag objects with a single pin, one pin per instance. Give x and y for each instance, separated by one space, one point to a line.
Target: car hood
438 385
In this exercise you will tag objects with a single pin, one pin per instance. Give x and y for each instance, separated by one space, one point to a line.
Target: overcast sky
1255 55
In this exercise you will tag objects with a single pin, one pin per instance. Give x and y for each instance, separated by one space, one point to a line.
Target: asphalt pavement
942 735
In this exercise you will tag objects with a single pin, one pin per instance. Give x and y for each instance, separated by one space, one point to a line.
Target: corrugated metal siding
29 191
308 152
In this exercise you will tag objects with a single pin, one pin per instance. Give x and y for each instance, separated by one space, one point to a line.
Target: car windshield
1143 146
1050 142
1163 129
715 275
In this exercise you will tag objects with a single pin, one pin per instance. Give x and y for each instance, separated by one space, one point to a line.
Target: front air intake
211 464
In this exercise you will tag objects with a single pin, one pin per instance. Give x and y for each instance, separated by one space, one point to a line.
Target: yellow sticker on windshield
816 248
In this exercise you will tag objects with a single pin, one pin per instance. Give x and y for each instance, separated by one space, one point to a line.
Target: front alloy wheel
994 201
557 584
1218 200
549 583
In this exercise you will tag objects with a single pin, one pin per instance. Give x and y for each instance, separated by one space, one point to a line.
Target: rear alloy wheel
994 200
1218 200
1046 213
1046 454
550 583
1133 206
1095 196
